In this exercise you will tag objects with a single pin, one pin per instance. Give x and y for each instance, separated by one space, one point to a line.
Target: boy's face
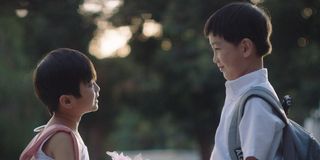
88 101
227 57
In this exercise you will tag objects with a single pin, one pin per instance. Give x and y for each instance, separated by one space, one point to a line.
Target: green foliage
154 98
19 111
293 64
133 129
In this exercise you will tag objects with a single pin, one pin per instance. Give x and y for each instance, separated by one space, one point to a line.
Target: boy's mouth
220 68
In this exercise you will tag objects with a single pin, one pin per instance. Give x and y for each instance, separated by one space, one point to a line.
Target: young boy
239 34
65 81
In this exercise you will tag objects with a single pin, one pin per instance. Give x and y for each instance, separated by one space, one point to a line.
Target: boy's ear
247 47
65 101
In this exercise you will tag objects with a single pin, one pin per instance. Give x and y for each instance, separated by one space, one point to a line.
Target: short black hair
60 72
240 20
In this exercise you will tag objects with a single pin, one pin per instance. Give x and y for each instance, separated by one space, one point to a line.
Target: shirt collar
238 86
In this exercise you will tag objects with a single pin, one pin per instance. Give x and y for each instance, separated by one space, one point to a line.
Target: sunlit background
110 41
113 42
160 93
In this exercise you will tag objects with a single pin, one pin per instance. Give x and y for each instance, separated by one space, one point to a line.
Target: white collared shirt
260 129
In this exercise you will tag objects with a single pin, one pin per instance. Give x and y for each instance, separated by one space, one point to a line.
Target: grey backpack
296 144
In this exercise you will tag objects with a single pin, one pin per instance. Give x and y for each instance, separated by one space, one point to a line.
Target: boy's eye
214 47
215 50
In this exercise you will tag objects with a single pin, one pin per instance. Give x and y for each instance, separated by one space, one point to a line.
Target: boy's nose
97 88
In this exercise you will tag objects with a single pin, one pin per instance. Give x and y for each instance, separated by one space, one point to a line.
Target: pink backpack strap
46 133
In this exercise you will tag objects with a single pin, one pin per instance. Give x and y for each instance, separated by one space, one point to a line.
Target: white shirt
260 129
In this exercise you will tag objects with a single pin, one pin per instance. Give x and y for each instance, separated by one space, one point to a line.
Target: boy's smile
227 57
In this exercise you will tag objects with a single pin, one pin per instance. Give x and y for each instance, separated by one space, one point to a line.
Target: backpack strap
234 143
46 133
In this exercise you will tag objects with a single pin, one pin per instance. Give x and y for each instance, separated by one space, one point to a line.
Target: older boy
65 81
239 34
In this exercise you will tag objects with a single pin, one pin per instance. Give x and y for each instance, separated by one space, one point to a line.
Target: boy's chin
95 108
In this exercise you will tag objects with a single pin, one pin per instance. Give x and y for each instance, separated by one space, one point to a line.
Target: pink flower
115 156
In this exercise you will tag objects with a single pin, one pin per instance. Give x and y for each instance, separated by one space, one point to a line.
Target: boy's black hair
240 20
60 72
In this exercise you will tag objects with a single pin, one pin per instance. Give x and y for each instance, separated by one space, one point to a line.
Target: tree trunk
95 143
205 141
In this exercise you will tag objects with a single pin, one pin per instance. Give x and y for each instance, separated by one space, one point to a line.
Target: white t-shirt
260 129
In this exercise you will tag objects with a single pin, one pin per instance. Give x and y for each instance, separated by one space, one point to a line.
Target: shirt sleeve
260 130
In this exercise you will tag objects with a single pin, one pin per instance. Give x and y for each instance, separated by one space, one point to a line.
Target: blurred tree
181 80
165 88
47 25
16 108
293 63
116 77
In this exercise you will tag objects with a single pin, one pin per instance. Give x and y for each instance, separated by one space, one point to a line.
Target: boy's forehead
214 40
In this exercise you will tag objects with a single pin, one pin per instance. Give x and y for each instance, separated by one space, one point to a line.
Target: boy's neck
65 119
253 65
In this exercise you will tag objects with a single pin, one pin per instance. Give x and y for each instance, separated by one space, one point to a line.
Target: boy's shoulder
57 135
60 142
